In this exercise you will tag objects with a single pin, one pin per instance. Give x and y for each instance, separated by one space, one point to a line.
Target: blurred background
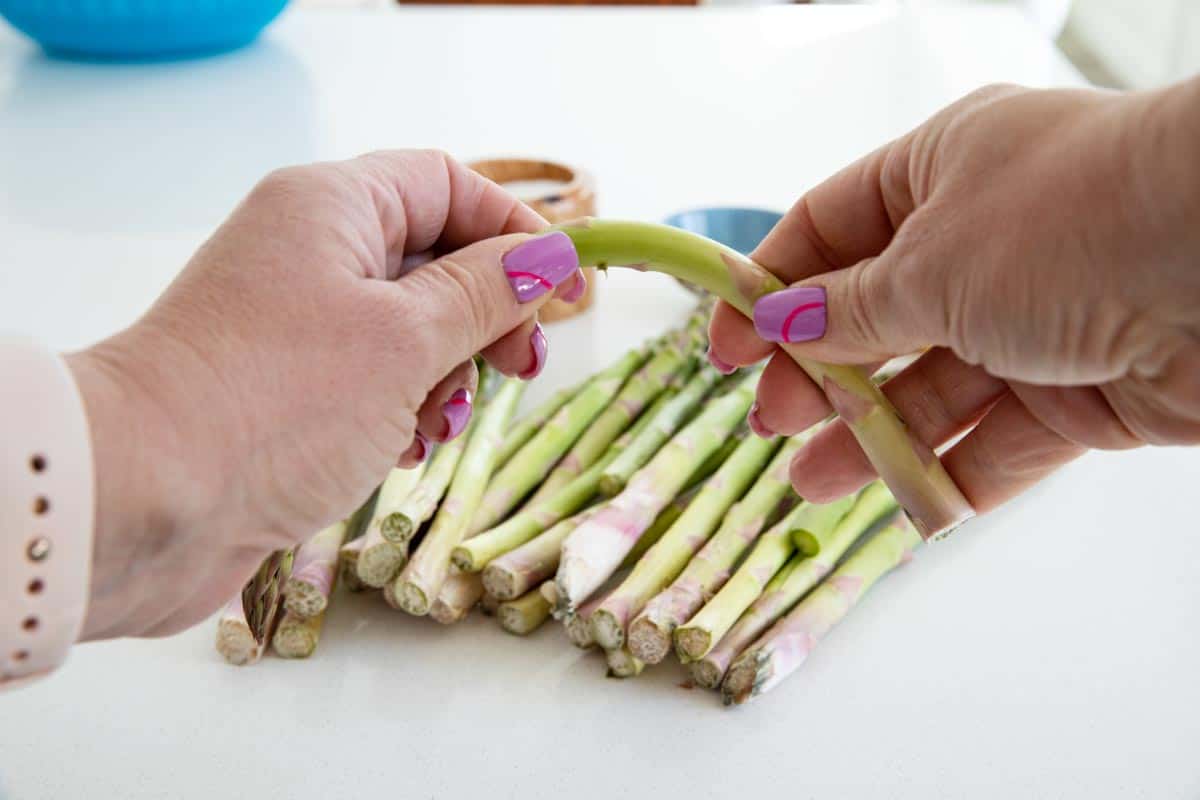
1115 43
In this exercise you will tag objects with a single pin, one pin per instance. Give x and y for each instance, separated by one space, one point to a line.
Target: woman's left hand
297 358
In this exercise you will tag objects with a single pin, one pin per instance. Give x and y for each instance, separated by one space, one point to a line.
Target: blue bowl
140 29
738 228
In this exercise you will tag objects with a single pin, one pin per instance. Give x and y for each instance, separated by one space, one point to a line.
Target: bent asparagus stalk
248 621
814 524
530 424
666 421
525 614
313 573
693 580
456 598
530 522
910 468
782 649
686 536
379 559
596 548
297 637
806 568
417 586
403 520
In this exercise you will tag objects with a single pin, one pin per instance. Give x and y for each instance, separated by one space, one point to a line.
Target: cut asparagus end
525 614
692 643
648 641
297 637
579 631
705 674
607 630
623 664
236 643
380 563
303 599
500 581
458 595
909 467
742 679
410 597
398 529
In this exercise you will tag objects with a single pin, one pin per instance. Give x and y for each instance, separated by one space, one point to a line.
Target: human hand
1044 245
299 356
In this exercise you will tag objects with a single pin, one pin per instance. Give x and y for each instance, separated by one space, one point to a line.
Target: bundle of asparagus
633 507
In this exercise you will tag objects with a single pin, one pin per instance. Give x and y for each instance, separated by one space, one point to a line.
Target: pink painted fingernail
456 411
422 444
537 266
577 288
721 366
791 315
537 343
754 420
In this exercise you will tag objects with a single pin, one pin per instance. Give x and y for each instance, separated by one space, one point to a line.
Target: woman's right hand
1044 244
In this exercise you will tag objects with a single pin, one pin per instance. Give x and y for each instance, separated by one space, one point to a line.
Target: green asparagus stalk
638 392
666 421
533 461
404 519
416 587
528 523
812 523
524 430
525 614
622 663
909 467
664 561
651 631
806 568
248 621
514 573
456 598
595 549
313 572
297 637
782 649
379 559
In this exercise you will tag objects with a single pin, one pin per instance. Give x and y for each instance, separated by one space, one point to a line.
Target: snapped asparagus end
303 599
499 582
411 598
705 674
692 644
648 641
397 528
380 563
297 637
607 630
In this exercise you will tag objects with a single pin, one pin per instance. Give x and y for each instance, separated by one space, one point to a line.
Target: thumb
856 315
462 302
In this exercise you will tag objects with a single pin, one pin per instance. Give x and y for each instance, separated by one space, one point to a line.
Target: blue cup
738 228
140 30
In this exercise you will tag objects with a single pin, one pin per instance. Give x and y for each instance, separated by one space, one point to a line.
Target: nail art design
721 366
456 411
756 424
577 288
422 445
791 315
537 266
537 343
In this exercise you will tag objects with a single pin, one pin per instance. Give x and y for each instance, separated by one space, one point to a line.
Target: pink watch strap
47 508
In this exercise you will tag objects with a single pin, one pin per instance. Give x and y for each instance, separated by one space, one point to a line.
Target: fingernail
791 315
422 445
537 266
537 343
756 424
456 411
721 366
576 290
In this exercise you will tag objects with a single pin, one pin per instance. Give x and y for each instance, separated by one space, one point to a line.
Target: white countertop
1049 650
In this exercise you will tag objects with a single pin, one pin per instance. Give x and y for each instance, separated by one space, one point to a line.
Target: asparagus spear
685 537
307 591
418 584
297 637
531 463
622 663
515 572
478 551
821 523
380 559
350 551
782 649
594 550
525 614
248 621
804 570
638 392
456 598
403 521
908 466
665 423
524 430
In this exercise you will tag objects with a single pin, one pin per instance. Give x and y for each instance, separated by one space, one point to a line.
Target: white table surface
1050 650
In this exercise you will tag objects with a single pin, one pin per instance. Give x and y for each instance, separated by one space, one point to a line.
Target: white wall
1142 42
